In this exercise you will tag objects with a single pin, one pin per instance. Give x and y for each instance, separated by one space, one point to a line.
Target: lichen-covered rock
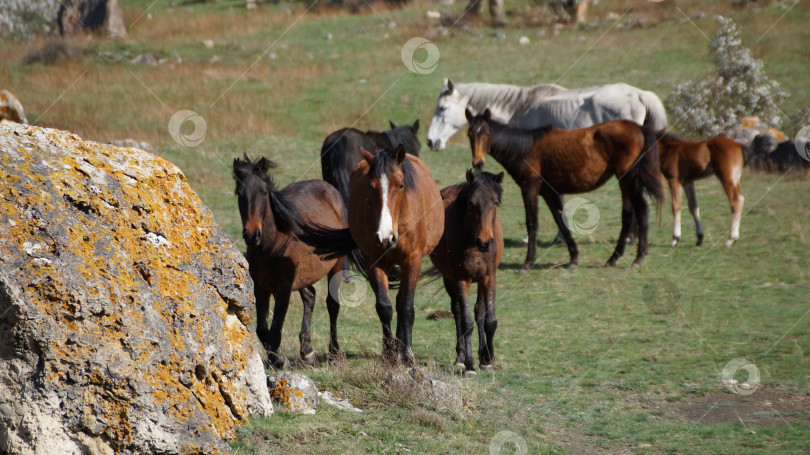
294 392
10 108
415 383
123 305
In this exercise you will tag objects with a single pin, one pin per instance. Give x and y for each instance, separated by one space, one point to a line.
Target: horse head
482 196
480 134
405 135
447 118
389 177
253 187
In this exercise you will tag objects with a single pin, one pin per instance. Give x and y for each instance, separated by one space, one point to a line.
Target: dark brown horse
469 252
551 162
683 162
340 152
395 219
279 262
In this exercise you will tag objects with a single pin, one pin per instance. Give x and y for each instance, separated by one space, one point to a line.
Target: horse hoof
674 243
610 263
700 240
571 265
310 358
524 268
486 368
525 240
635 265
279 363
458 363
470 374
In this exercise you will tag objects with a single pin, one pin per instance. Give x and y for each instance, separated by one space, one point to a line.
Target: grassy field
590 360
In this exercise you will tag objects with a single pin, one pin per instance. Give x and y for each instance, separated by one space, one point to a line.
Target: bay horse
541 105
551 162
683 162
278 262
395 219
340 152
469 252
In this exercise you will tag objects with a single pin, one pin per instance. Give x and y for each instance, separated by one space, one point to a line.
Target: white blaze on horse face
385 230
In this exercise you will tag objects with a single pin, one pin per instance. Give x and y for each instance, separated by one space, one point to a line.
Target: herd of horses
379 210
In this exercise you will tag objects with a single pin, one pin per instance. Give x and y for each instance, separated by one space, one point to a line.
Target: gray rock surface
294 392
416 383
123 305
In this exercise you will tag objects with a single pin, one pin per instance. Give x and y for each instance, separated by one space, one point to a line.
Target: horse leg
691 198
282 298
262 310
530 192
333 306
455 307
560 238
487 323
554 202
379 284
308 299
405 309
731 185
675 191
627 215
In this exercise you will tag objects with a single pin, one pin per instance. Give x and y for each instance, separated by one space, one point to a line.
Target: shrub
738 88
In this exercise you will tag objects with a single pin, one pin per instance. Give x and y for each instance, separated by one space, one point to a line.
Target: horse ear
468 113
449 84
499 178
401 153
393 125
264 165
415 127
487 115
368 156
235 164
470 176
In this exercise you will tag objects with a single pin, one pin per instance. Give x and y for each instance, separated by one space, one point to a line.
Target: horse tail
656 114
646 172
333 157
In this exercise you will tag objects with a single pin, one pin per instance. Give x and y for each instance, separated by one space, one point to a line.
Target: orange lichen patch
136 237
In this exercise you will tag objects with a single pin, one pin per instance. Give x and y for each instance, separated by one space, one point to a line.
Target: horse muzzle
435 146
387 242
478 165
252 238
484 247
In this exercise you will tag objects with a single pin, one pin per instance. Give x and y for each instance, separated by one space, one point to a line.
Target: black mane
286 217
506 138
481 179
385 161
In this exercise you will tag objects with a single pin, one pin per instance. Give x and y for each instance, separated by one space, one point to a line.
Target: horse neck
503 100
508 145
272 238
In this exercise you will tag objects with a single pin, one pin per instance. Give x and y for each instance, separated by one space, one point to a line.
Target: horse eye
401 185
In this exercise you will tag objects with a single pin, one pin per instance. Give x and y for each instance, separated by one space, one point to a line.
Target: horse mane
385 161
286 216
514 140
481 179
667 136
483 95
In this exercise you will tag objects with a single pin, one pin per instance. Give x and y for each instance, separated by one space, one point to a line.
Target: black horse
341 150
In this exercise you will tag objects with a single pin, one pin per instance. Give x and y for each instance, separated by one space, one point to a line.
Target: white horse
542 105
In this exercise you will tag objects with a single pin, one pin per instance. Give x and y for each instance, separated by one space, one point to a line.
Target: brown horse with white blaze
683 162
395 219
279 263
550 162
469 252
